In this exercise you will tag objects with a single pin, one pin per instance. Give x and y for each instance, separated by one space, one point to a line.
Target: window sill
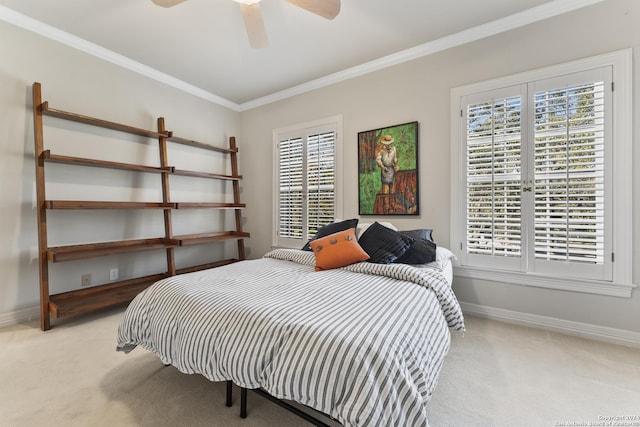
622 290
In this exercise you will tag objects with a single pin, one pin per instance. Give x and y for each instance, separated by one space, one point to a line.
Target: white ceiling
201 45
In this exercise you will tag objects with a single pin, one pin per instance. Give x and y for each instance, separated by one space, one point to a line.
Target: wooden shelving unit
96 297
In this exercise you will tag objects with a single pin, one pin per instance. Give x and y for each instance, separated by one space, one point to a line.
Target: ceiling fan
252 17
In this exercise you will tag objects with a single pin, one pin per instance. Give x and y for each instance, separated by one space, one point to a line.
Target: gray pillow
383 244
422 251
421 233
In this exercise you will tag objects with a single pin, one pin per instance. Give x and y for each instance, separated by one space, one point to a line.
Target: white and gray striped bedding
363 344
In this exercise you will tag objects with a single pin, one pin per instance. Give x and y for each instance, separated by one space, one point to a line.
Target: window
539 200
306 173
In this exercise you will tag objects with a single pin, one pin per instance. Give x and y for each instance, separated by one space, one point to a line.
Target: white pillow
443 255
362 226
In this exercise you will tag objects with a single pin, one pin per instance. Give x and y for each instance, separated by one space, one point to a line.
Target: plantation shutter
575 184
570 158
306 198
538 177
320 181
290 180
493 178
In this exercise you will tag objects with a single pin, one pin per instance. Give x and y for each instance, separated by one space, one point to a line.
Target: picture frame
388 181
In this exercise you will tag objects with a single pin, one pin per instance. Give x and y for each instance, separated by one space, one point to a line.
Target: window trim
331 121
622 134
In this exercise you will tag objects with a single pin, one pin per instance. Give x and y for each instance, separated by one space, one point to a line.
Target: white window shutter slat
493 177
569 174
321 180
291 188
306 184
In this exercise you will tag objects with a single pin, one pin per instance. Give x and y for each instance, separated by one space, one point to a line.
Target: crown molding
93 49
529 16
535 14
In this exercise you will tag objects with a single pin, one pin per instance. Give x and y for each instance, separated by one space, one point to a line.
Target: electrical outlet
85 280
113 274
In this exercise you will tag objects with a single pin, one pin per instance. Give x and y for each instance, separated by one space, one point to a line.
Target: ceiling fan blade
167 3
254 25
326 8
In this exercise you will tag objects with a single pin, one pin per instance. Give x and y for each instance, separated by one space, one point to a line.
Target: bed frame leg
243 405
243 402
229 394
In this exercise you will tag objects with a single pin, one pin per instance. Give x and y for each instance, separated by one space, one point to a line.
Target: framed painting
388 170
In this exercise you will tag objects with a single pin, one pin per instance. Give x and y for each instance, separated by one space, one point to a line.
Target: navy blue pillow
383 244
334 227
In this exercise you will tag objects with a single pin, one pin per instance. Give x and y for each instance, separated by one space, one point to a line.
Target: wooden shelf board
185 141
86 204
96 297
206 266
93 250
74 117
190 205
46 156
201 238
95 204
207 175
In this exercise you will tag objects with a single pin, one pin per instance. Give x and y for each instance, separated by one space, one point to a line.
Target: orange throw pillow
337 250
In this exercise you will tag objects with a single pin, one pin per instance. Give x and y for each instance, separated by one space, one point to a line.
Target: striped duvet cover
363 344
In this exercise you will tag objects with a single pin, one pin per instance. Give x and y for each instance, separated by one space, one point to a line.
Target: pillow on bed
421 251
443 256
362 227
334 227
421 233
337 250
383 244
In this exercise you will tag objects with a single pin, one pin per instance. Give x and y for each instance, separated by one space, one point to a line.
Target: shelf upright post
236 195
166 194
45 320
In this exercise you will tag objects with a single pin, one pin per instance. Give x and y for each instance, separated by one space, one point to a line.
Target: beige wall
417 90
420 90
77 82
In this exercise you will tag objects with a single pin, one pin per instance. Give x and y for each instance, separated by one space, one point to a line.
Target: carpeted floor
495 375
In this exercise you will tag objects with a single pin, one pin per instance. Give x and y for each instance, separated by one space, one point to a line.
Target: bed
363 344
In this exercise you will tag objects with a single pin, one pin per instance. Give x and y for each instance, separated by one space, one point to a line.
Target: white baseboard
19 316
583 330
